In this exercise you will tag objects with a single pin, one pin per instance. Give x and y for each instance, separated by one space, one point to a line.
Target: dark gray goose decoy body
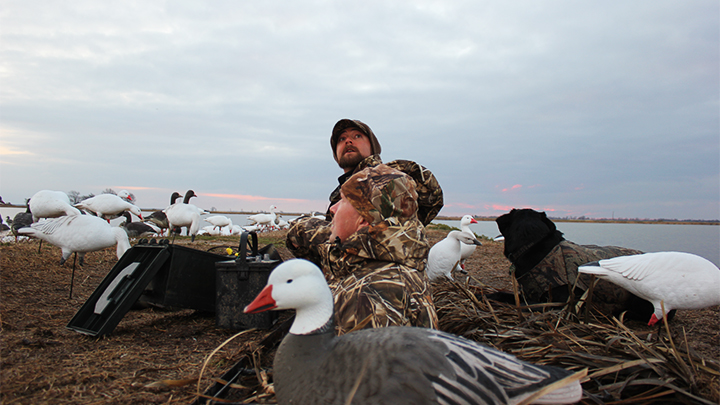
136 229
393 365
21 220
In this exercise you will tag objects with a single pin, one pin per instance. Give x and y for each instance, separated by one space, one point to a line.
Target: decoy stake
72 278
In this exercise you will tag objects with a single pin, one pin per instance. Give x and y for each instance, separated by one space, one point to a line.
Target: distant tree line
584 218
76 197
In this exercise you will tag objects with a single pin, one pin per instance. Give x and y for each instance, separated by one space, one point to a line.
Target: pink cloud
137 188
515 187
461 205
498 207
252 197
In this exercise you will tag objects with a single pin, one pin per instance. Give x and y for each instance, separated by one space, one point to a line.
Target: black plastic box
155 273
186 281
239 281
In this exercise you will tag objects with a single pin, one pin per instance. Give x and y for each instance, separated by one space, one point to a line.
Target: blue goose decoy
391 365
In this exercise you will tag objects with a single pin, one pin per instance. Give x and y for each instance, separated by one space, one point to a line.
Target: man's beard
350 161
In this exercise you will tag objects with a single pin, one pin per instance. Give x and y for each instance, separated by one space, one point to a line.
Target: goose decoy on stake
678 280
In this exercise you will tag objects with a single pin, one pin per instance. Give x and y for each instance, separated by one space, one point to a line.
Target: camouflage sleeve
430 194
305 236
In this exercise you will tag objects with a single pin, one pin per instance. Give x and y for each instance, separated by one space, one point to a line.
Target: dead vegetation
156 355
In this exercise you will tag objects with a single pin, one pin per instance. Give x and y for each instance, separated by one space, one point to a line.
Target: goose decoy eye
289 281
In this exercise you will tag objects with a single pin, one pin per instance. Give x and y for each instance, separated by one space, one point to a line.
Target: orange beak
653 320
263 302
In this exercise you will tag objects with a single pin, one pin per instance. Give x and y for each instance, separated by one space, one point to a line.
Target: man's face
346 220
352 147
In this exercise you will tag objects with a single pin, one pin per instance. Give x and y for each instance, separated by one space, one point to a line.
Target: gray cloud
588 108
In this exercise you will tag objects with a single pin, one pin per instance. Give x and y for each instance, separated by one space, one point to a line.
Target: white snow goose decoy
51 204
445 255
391 365
79 234
264 220
184 215
219 221
678 280
108 206
466 250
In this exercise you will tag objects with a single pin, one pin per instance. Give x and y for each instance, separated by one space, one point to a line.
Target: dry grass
156 356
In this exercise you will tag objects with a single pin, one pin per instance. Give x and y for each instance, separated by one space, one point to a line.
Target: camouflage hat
381 192
344 124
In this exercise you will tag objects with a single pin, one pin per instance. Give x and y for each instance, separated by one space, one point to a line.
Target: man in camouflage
356 147
377 272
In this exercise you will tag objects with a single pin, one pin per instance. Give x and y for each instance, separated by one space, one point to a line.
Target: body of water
702 240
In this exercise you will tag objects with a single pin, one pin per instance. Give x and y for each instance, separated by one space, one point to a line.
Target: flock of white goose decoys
392 365
673 280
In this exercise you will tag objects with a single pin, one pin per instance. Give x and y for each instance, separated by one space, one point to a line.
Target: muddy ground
155 355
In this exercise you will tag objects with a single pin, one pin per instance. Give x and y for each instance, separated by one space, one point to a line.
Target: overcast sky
594 108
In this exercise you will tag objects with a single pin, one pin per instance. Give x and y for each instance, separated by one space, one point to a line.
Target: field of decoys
160 354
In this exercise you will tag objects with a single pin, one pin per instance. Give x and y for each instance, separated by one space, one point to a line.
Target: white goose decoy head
466 220
466 250
300 286
125 195
392 365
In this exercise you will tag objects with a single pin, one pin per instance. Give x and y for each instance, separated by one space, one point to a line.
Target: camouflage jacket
559 269
377 275
430 194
